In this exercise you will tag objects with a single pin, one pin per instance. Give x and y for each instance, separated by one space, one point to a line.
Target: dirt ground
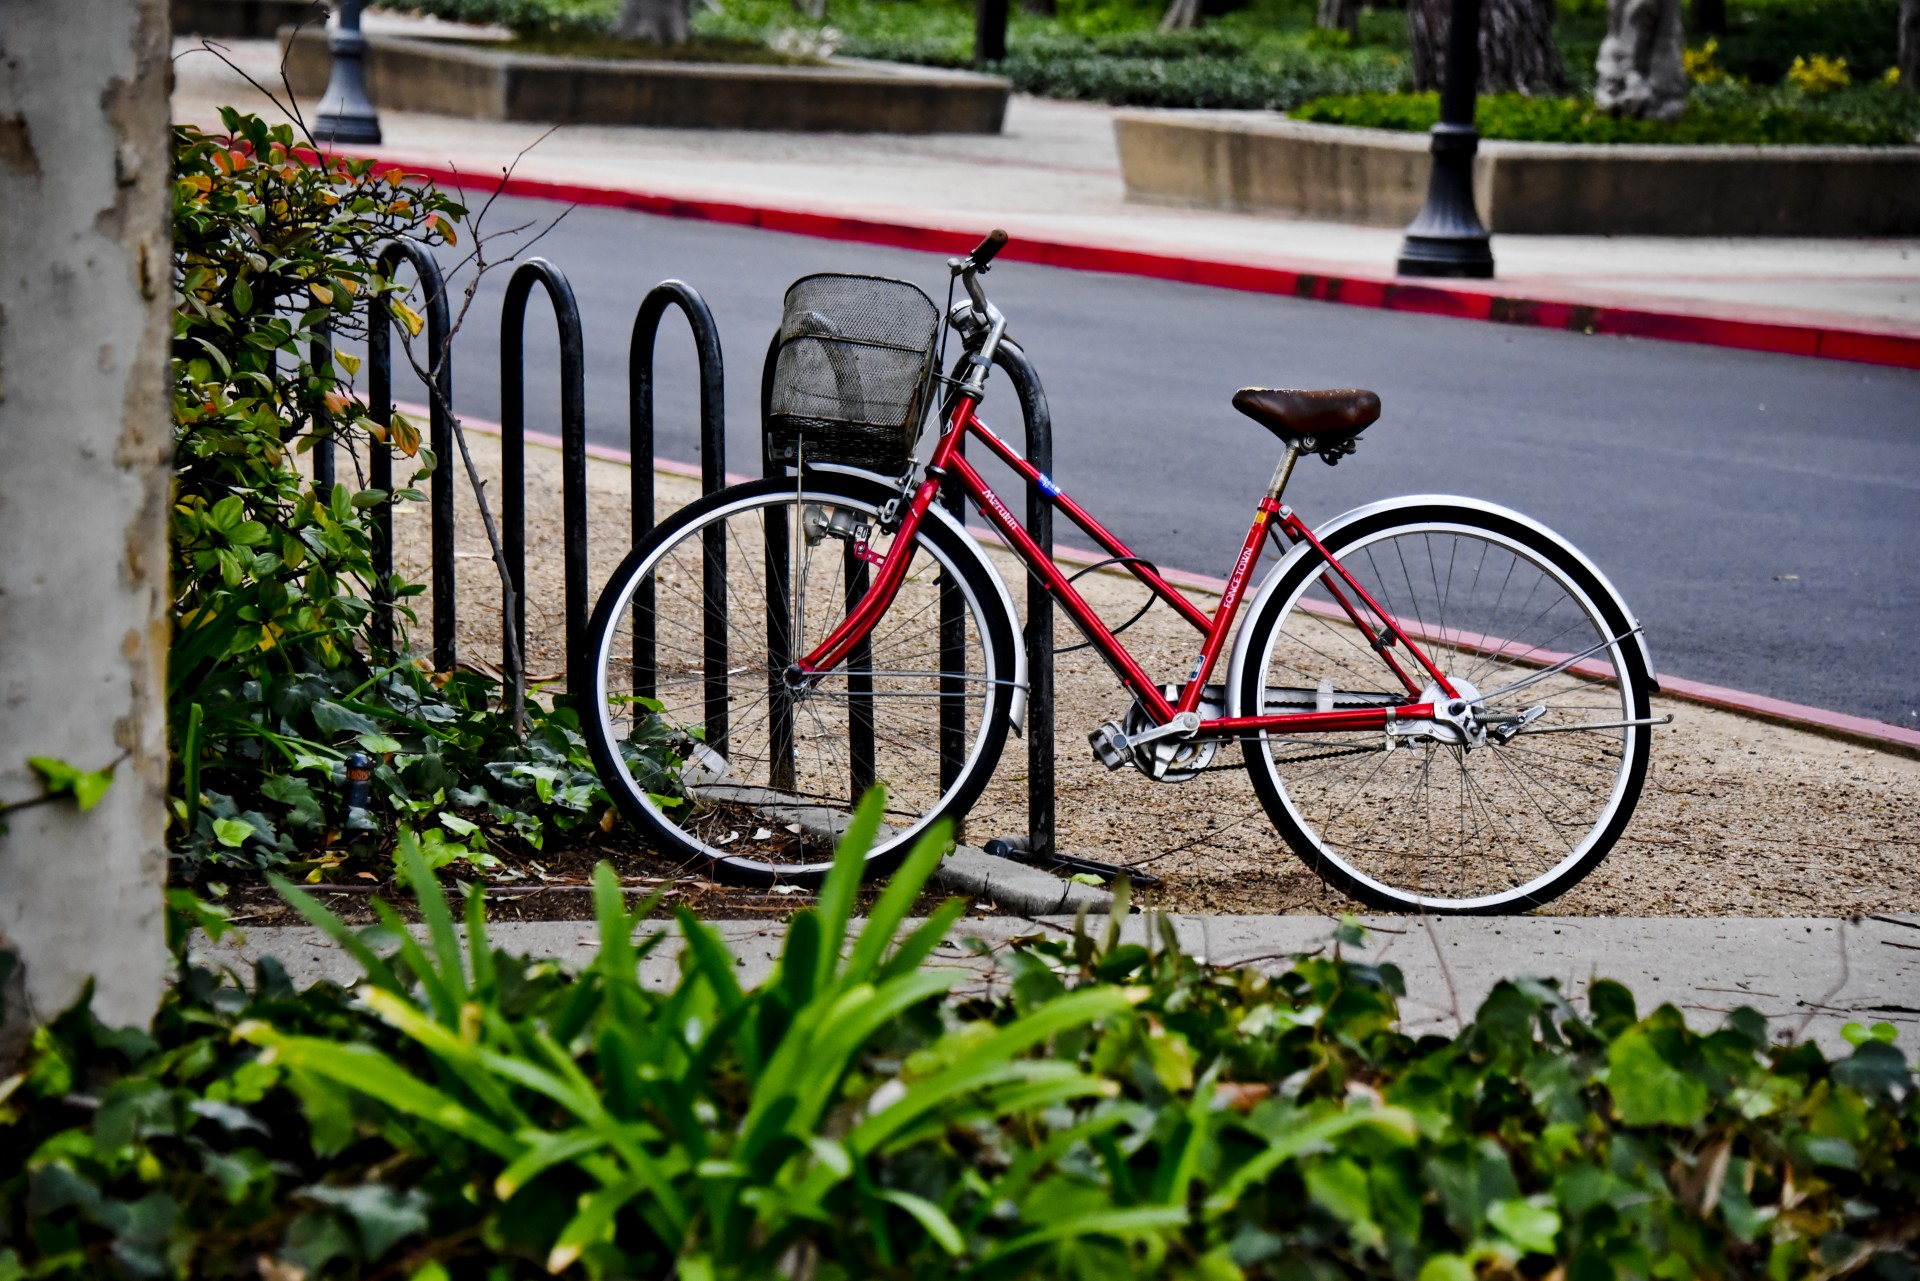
1738 817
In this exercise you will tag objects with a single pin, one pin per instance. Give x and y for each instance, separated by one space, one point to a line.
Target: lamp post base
1463 257
353 130
1447 238
346 114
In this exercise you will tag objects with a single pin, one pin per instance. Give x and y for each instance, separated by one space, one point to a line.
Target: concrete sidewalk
1809 976
1054 175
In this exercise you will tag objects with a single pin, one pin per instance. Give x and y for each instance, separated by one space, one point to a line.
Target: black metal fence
437 362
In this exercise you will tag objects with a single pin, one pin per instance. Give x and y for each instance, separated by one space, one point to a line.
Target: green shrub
274 677
1191 70
575 16
1866 116
1116 1109
1765 36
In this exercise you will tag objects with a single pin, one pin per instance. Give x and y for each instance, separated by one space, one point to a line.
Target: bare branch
430 376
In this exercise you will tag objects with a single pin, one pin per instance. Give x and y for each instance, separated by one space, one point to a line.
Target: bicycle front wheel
1437 821
702 621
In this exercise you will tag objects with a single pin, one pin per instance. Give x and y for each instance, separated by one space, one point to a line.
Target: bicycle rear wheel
1422 823
702 620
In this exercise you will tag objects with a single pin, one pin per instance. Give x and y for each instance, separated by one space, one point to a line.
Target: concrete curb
1867 346
482 81
1815 720
1343 173
1810 976
1016 887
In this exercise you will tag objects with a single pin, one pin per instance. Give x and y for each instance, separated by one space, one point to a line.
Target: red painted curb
1866 346
1818 720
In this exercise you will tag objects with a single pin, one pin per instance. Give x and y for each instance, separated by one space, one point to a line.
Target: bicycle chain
1291 760
1321 756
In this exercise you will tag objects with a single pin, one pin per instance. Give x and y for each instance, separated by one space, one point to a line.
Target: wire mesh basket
853 374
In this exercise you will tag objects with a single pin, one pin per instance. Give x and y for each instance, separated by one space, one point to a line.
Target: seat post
1284 471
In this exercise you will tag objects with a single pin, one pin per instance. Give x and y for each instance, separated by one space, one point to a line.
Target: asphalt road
1760 513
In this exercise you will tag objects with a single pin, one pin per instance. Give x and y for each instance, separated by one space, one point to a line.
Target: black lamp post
989 31
1446 238
346 114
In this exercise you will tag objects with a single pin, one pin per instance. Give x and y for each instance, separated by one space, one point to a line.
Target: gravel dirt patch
1738 817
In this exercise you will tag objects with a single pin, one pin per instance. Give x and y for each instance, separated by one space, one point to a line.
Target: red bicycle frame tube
949 460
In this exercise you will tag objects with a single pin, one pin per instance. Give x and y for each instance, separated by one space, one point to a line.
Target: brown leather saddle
1319 422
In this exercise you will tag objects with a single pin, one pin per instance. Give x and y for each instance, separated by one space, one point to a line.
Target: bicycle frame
1270 519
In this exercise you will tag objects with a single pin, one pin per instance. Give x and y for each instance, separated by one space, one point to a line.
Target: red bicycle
1443 706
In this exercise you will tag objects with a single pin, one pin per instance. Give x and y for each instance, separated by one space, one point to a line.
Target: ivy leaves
275 677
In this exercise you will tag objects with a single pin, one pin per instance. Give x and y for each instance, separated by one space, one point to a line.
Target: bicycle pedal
1110 746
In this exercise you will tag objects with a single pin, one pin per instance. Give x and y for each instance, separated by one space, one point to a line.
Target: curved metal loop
1013 361
713 477
439 363
573 457
713 424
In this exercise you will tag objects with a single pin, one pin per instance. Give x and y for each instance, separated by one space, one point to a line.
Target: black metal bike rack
440 438
573 456
1038 420
782 645
1012 359
713 477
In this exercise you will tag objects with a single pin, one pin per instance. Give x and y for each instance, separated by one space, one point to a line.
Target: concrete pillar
85 295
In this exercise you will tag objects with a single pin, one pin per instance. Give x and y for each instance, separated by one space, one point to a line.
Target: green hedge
1765 36
1862 117
1115 1110
1206 68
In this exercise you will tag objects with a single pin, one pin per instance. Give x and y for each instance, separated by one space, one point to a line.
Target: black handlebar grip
983 253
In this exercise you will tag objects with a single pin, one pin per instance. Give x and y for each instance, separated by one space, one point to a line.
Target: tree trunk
1039 8
1517 52
1909 62
667 22
1708 17
1640 70
1181 15
85 442
1339 15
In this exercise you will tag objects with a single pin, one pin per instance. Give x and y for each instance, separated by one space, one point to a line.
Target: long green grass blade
432 898
190 764
837 893
593 1223
891 908
479 949
1128 1223
366 1070
930 1217
944 1089
711 959
918 946
378 972
1180 1161
445 1007
468 1063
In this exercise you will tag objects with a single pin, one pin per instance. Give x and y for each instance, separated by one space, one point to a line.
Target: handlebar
984 313
984 252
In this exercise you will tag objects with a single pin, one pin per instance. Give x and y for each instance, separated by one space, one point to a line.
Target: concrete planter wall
492 84
1255 162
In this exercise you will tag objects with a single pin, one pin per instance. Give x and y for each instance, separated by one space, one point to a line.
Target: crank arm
1184 725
